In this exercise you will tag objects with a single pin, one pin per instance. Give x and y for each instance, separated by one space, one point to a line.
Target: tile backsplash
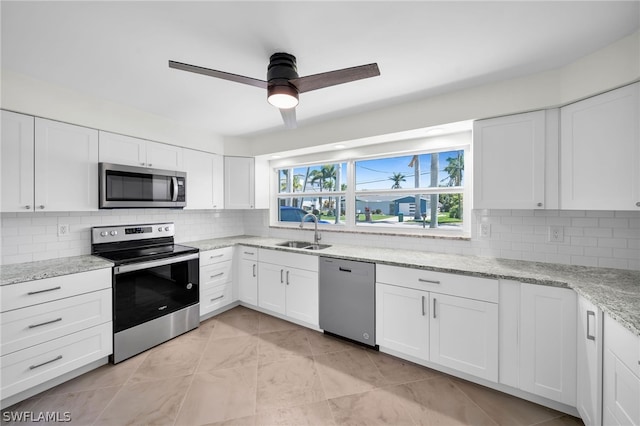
591 238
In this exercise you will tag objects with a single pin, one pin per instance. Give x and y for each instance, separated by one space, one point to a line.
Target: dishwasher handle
344 269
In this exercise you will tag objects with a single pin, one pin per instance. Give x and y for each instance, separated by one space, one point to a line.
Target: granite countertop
29 271
615 291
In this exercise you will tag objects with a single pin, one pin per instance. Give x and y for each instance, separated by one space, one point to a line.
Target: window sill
427 233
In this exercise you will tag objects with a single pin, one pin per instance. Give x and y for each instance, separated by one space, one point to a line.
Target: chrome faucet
316 236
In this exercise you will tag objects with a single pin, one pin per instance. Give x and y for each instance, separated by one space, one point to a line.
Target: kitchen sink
304 245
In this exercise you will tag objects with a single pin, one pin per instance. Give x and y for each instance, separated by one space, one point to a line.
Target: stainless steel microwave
130 187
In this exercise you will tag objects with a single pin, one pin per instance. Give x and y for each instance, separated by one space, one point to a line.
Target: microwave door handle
174 188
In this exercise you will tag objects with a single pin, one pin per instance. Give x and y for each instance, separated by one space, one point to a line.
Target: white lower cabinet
589 363
402 320
621 375
548 342
288 285
216 285
247 275
51 327
464 335
438 325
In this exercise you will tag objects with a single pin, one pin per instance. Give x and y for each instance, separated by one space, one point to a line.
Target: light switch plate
556 234
485 230
63 229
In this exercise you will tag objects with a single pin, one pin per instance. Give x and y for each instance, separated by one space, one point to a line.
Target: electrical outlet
485 230
63 229
556 234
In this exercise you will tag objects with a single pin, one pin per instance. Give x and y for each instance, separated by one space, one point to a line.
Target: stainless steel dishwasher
347 299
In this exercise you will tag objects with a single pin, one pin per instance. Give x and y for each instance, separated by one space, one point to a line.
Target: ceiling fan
283 83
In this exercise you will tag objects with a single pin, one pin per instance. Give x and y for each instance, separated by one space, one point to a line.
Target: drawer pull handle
45 323
217 275
43 291
422 280
217 298
250 253
217 255
162 308
589 335
422 305
33 367
344 269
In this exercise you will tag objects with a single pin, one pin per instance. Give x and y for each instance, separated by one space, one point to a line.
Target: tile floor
246 368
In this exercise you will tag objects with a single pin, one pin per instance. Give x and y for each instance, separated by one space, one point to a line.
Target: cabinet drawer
248 253
216 274
22 328
456 285
30 367
216 256
215 298
623 343
278 257
30 293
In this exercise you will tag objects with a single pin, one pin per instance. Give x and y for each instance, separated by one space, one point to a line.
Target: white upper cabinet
239 183
120 149
66 165
600 152
48 165
17 162
204 179
510 161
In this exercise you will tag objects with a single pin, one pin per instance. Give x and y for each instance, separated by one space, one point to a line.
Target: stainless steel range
155 285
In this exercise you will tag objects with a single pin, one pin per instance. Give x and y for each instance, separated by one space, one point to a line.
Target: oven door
148 290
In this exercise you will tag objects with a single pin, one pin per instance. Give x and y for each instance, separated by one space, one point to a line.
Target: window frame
351 157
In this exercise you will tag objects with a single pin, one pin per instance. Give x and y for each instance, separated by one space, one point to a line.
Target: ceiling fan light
283 97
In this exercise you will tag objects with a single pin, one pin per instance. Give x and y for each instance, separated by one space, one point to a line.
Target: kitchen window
417 193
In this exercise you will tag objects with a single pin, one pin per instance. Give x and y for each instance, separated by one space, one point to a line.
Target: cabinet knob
149 164
142 164
27 207
539 204
638 204
41 207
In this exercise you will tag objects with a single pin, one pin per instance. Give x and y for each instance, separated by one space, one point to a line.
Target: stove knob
160 229
113 233
166 228
104 233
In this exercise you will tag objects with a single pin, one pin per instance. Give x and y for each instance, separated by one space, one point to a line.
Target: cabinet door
621 392
120 149
248 281
17 162
66 165
163 156
271 287
589 362
402 320
199 167
238 183
218 181
600 152
464 335
548 342
509 162
302 295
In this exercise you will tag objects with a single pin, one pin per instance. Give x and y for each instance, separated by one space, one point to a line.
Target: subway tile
584 261
613 263
598 251
598 232
584 222
626 253
613 242
614 222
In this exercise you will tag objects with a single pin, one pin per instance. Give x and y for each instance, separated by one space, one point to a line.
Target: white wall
591 238
613 66
24 94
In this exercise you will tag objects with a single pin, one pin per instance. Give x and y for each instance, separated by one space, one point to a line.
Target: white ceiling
119 50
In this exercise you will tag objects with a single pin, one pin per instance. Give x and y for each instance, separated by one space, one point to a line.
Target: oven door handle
153 263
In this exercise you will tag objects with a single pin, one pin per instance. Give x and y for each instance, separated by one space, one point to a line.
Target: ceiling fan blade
218 74
332 78
289 117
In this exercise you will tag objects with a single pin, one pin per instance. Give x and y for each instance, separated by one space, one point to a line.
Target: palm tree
324 179
397 178
455 169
